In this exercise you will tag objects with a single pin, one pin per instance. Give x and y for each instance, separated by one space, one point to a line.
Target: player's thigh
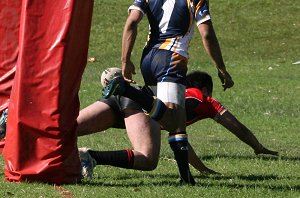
143 132
173 95
94 118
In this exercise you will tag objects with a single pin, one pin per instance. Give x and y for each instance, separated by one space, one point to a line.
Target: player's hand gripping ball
108 74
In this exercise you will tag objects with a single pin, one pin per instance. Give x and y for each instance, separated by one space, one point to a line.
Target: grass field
260 41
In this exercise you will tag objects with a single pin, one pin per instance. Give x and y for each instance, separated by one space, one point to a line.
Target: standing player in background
164 65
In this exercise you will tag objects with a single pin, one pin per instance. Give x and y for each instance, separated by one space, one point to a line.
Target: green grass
260 41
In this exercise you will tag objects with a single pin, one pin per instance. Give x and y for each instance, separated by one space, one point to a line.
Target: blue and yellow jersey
172 22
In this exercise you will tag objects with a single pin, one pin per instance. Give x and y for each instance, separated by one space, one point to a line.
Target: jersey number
168 9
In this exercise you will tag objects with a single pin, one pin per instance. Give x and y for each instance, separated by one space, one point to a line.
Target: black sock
122 158
155 107
179 145
144 100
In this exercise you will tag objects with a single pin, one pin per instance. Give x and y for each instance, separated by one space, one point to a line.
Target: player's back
171 22
169 18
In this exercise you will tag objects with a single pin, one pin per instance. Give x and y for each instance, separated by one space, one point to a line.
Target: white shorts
170 92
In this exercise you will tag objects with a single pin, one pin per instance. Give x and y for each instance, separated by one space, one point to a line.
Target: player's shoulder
199 2
194 93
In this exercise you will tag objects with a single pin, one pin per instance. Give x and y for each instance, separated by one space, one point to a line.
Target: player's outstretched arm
231 123
196 162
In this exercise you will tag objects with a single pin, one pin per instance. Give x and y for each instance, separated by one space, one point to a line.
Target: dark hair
199 79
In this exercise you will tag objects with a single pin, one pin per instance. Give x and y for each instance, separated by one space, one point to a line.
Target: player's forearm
128 40
195 161
211 44
230 122
212 47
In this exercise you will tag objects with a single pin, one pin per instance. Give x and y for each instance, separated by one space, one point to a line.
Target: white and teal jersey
171 22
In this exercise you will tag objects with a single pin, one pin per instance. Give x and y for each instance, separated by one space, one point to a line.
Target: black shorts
118 104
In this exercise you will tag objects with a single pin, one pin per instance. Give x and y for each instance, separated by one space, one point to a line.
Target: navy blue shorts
163 66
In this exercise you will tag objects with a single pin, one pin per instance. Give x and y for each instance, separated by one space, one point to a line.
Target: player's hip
163 66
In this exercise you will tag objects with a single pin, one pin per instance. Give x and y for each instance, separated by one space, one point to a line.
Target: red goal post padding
41 144
9 37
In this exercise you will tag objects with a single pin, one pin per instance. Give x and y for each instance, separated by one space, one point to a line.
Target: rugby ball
108 74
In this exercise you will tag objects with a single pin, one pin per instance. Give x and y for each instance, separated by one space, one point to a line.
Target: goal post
41 143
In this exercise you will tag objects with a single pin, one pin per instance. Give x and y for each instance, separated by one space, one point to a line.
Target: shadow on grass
134 181
247 157
236 182
250 178
235 185
252 182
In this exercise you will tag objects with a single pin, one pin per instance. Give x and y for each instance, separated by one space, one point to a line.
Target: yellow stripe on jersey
166 44
198 6
171 44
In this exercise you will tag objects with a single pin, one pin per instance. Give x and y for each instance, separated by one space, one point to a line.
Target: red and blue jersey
199 106
171 22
